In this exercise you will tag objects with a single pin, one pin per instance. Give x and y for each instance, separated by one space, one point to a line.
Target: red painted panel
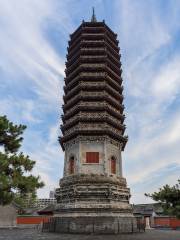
174 223
162 221
32 219
167 222
92 157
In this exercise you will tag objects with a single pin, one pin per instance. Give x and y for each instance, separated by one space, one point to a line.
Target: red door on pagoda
113 165
71 165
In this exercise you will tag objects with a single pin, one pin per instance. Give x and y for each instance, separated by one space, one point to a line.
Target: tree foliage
14 166
25 201
169 197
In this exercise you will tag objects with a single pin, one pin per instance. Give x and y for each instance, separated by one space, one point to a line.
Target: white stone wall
115 151
72 150
96 168
106 150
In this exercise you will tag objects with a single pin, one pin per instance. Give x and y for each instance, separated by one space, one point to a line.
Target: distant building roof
147 209
47 210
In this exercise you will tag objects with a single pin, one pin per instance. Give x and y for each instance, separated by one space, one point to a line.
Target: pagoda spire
93 18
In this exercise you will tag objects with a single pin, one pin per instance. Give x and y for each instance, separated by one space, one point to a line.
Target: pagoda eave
115 123
96 132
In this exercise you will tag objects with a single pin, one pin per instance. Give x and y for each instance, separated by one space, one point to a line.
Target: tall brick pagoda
93 195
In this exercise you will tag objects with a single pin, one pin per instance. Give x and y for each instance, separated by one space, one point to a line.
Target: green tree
15 167
169 197
26 200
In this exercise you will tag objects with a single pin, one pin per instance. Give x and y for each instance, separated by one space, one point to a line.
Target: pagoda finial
93 18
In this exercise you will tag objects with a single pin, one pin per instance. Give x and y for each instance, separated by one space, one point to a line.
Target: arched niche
113 165
71 164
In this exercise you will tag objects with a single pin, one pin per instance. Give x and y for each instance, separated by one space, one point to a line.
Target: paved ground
31 234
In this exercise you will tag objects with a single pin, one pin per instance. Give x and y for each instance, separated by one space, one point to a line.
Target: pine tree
15 167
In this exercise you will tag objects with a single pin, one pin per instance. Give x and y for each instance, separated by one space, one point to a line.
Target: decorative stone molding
96 190
87 139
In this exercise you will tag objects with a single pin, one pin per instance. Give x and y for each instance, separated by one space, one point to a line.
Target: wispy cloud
151 78
166 84
32 79
25 51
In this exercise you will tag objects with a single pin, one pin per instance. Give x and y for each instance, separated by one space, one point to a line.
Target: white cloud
151 78
24 49
154 181
141 30
31 66
49 185
147 153
48 156
167 82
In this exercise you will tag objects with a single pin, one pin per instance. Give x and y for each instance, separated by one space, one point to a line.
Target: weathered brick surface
97 225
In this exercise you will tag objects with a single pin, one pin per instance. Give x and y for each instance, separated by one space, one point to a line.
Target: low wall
175 223
8 216
32 219
97 225
170 222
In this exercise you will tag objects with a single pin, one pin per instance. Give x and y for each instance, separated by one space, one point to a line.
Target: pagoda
93 194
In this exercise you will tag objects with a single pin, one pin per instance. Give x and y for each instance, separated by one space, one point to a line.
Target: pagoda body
93 189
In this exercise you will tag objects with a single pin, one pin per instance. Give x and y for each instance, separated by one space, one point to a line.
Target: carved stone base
93 195
93 203
93 225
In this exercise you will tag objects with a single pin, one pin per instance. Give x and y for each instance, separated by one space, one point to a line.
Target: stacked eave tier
93 85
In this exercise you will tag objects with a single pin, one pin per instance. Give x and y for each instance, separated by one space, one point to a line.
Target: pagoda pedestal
93 204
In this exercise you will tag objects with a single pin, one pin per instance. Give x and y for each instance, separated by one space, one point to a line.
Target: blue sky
34 36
